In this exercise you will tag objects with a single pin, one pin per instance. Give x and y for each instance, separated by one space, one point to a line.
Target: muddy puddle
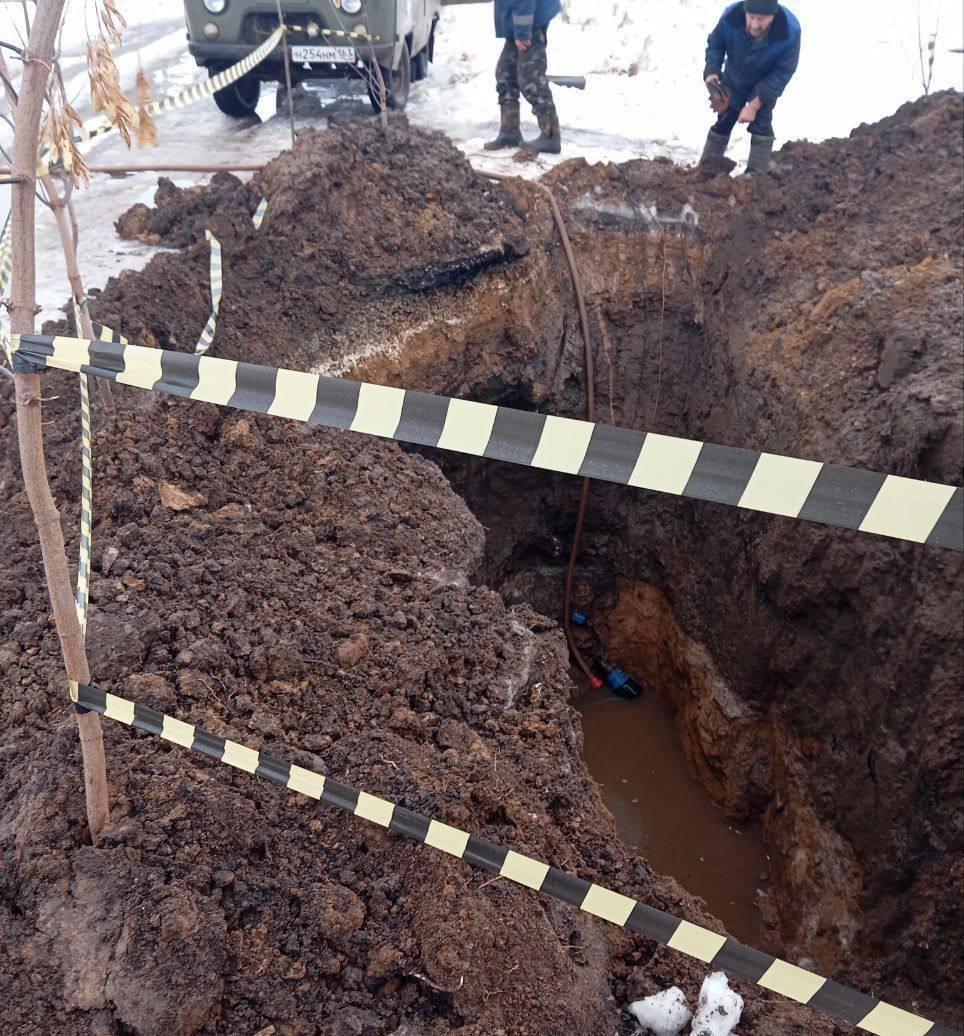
632 751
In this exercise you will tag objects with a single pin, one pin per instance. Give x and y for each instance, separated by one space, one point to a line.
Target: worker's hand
711 79
751 110
523 44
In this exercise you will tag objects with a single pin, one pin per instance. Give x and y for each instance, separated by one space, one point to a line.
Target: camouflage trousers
525 71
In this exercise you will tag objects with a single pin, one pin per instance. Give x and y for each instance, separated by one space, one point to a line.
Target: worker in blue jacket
523 24
751 56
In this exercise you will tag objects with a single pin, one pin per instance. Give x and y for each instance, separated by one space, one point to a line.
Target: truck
325 39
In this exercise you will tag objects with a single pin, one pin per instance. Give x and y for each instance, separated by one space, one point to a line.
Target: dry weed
57 136
146 127
105 90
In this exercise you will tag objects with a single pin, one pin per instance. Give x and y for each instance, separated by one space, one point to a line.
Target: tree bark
67 229
37 64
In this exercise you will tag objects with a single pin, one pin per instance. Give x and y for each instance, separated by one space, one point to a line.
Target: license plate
323 55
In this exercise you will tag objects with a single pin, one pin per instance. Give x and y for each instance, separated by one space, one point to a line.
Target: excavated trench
796 732
773 653
636 748
648 753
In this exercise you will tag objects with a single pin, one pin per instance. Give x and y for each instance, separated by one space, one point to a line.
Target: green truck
326 39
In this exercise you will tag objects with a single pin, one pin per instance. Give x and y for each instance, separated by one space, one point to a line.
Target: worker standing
523 24
751 56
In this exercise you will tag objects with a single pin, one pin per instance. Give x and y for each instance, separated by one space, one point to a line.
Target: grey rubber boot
549 141
510 135
761 151
715 150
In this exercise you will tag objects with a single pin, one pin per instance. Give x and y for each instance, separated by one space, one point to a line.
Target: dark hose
590 416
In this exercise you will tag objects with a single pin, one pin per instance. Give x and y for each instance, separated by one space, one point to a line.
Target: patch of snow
667 1013
349 355
663 1014
720 1007
517 681
643 60
650 215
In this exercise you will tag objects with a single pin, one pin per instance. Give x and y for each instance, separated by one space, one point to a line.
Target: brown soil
317 599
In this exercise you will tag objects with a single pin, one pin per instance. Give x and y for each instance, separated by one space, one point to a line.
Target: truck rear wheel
420 65
397 84
240 99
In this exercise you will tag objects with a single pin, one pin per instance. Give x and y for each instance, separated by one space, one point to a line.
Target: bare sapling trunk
60 206
38 61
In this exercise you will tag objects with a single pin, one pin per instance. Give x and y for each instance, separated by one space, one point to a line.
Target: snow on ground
667 1014
643 60
720 1008
644 63
663 1014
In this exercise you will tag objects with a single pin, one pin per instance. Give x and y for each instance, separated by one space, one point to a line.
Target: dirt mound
309 593
827 702
360 226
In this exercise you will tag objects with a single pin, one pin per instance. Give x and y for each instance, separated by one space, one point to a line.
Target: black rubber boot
510 135
549 141
715 150
761 151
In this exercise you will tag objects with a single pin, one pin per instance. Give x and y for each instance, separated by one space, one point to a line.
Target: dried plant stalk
111 20
146 127
105 89
57 137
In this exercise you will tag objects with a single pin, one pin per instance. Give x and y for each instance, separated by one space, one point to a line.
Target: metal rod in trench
560 222
284 54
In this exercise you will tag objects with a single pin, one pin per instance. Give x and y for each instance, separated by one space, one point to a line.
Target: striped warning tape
86 505
258 218
6 270
82 595
207 335
766 971
218 82
217 281
849 498
340 34
98 127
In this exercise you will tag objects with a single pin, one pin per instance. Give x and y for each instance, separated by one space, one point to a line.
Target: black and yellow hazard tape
848 498
217 281
198 91
358 34
206 88
82 594
718 951
86 505
6 268
207 335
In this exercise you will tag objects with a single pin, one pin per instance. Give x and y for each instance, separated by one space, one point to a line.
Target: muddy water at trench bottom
632 751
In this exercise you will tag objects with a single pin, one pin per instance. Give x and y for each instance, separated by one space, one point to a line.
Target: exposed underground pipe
577 655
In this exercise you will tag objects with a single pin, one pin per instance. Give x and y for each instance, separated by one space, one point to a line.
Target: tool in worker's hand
576 82
719 96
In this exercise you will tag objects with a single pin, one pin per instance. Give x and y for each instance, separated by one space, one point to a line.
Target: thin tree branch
29 406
